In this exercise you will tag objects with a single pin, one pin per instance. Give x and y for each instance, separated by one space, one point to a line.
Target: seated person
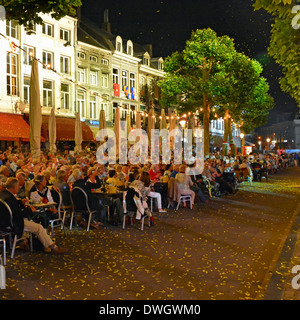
256 166
94 203
113 180
41 193
197 181
175 170
155 173
21 223
63 186
184 184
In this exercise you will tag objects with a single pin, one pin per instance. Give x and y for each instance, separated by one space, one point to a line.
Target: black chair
59 221
79 200
7 229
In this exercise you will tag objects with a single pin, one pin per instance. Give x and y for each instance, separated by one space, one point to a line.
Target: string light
13 47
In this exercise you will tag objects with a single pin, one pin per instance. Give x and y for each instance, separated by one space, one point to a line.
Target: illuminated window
65 96
48 93
11 74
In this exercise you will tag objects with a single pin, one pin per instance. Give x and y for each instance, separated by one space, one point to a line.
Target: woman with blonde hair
184 183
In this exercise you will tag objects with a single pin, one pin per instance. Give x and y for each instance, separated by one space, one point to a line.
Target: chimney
149 49
78 15
106 24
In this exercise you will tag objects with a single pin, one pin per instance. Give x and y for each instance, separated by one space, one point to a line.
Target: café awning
13 128
65 129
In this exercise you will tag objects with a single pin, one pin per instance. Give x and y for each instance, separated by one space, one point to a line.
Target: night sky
168 24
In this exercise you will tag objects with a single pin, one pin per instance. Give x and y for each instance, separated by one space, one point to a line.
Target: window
48 93
80 103
93 58
81 55
48 29
65 64
124 111
124 78
11 74
104 106
146 61
47 60
26 88
119 44
28 55
64 34
115 75
104 61
93 107
104 80
81 75
65 96
160 66
129 48
11 28
132 114
132 80
93 78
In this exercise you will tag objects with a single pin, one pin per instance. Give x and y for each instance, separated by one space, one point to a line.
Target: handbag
2 275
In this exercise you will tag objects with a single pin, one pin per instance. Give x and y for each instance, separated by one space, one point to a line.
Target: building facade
83 68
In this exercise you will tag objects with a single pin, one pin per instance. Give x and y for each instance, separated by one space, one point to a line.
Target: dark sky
167 24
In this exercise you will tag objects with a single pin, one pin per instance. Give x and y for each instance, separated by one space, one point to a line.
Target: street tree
285 41
243 98
26 12
193 72
209 73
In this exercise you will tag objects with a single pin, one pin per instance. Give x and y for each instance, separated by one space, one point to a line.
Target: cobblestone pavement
227 249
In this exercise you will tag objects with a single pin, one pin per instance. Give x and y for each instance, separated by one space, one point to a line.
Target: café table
100 194
41 210
105 195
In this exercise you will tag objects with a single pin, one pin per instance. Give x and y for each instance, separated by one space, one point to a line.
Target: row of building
84 68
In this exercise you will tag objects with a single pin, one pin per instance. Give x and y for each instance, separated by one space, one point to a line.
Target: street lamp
182 123
268 140
242 136
259 143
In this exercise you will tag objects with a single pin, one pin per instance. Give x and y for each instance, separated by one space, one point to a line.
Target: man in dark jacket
20 222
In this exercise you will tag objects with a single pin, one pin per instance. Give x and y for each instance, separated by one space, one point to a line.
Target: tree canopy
26 12
210 72
285 41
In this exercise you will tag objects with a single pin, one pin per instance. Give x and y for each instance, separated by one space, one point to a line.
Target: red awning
65 129
13 127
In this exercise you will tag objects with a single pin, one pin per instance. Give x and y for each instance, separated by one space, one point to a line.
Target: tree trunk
232 149
206 117
226 132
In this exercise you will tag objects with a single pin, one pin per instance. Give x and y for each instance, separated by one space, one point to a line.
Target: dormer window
130 48
119 44
160 66
146 59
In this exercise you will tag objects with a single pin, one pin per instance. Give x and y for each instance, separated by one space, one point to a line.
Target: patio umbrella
138 124
163 120
35 112
117 129
151 123
78 134
52 131
102 120
172 127
128 126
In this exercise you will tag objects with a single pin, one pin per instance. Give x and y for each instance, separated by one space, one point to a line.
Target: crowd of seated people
161 183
